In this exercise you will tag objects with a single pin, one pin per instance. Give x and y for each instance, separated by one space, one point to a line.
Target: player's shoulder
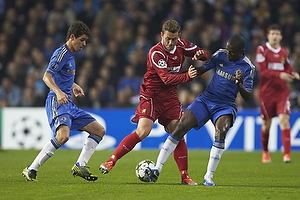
185 44
262 47
285 50
247 62
157 50
219 54
60 53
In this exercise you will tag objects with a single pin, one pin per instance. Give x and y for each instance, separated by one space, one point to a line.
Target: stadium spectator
130 80
9 93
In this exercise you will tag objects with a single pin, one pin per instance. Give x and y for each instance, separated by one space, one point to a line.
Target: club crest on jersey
144 110
282 60
221 65
162 63
238 71
63 119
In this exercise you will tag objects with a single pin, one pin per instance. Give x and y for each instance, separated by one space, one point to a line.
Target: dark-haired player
63 115
158 95
233 73
275 73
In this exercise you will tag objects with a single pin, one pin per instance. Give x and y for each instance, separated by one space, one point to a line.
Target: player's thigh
283 105
267 108
57 115
145 109
80 119
170 113
201 112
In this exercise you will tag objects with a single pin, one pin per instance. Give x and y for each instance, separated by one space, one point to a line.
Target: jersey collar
277 50
172 51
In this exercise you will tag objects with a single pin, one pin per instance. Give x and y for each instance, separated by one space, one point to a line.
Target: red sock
264 140
286 140
126 145
181 158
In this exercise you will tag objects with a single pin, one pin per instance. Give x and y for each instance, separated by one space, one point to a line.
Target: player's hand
295 75
286 77
78 91
192 72
239 77
198 55
62 98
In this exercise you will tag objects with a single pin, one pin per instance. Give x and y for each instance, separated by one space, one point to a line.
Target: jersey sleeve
212 61
56 63
190 49
158 62
248 78
263 65
287 64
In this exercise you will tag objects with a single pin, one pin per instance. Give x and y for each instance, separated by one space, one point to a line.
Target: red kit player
275 73
158 95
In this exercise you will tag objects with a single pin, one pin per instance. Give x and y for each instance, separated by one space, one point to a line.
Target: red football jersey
158 82
271 62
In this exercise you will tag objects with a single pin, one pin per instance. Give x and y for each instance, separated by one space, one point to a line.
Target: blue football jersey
62 68
222 88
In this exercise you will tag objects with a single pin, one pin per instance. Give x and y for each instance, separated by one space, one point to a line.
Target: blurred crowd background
110 68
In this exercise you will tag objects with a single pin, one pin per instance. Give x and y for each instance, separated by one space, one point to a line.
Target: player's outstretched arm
200 55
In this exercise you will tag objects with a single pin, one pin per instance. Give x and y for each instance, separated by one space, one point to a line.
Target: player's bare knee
101 131
62 138
142 133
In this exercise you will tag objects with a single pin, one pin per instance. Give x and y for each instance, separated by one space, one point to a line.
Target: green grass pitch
240 175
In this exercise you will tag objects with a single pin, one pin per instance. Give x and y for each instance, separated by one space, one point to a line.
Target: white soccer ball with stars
140 169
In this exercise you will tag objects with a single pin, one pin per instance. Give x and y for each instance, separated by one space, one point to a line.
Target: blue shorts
68 114
207 110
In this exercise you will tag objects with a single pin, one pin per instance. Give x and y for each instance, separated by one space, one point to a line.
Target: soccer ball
140 170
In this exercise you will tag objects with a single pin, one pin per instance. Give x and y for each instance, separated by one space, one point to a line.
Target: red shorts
270 107
153 109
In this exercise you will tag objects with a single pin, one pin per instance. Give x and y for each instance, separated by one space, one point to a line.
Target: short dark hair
274 27
78 29
171 26
237 41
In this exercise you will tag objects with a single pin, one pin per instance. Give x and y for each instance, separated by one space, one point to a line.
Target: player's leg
128 143
268 111
85 122
264 135
145 116
222 125
62 136
284 111
181 156
284 121
96 133
187 122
